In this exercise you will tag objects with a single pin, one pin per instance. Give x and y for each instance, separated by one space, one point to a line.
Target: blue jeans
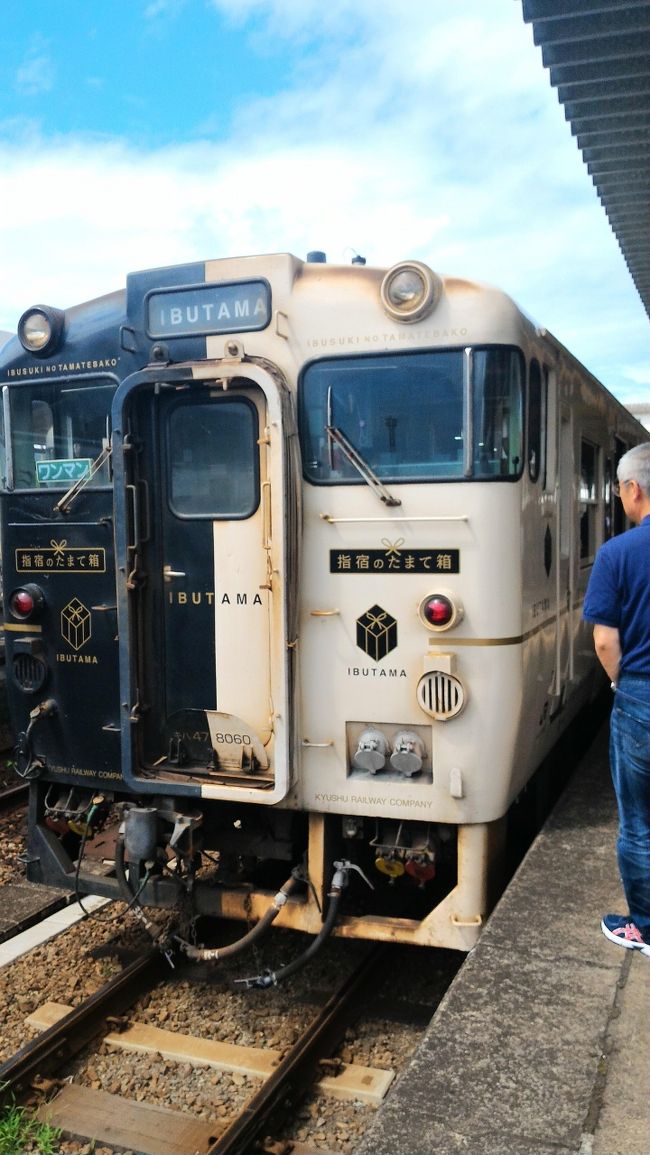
629 752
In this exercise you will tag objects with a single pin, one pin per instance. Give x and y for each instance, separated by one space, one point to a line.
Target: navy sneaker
622 930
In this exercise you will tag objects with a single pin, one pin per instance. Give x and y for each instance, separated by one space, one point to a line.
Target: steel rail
13 796
59 1043
296 1073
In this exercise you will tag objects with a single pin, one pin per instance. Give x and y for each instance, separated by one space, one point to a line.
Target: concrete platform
42 928
25 903
541 1045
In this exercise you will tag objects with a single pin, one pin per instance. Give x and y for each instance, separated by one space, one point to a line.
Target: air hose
339 882
208 954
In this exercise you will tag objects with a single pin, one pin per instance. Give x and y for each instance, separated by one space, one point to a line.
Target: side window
535 420
588 498
609 499
3 449
498 380
618 517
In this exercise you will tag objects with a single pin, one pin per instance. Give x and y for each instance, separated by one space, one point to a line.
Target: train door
564 555
205 552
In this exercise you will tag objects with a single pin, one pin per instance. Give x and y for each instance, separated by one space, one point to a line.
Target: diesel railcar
294 556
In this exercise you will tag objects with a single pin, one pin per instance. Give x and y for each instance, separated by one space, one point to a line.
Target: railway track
59 1043
228 1117
13 796
291 1072
212 1008
141 1126
297 1071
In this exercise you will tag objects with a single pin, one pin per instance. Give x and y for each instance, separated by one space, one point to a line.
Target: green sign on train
64 470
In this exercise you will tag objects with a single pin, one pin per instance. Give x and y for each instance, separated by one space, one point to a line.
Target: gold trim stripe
516 640
23 628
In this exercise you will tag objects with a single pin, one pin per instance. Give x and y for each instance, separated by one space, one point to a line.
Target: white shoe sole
644 948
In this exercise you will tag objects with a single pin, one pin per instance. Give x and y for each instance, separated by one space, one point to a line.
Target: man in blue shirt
618 602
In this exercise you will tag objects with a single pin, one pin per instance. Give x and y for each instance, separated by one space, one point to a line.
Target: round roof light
439 612
40 329
409 291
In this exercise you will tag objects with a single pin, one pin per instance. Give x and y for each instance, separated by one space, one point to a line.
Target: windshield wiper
369 476
66 501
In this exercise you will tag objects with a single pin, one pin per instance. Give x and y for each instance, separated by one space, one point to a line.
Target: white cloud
639 374
158 9
427 131
35 75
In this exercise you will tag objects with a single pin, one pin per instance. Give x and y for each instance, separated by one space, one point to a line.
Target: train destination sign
238 307
394 559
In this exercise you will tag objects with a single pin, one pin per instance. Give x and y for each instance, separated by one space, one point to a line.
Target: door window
212 458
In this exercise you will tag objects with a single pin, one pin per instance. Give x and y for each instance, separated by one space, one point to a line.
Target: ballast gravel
12 829
205 1000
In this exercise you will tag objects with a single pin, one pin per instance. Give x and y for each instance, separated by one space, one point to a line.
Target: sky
142 133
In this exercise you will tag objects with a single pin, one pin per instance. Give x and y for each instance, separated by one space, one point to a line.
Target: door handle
266 514
169 573
140 512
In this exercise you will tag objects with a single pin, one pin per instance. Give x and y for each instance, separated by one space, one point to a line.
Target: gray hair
635 466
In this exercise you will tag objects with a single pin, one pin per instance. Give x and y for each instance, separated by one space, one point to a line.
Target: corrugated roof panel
598 56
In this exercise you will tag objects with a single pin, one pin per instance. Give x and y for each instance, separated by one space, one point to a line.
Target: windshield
406 415
57 430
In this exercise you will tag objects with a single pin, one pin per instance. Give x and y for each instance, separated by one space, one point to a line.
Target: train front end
256 519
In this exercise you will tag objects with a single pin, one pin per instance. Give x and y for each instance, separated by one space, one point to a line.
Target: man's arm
608 649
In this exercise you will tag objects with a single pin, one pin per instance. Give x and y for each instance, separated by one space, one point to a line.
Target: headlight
40 329
409 291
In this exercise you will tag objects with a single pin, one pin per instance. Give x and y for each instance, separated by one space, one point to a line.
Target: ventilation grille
29 672
440 695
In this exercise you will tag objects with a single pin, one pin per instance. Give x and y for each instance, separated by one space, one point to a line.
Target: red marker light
437 610
440 611
24 602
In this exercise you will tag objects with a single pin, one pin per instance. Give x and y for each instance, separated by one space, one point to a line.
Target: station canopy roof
598 56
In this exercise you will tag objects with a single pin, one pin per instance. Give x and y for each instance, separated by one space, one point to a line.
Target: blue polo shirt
618 594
